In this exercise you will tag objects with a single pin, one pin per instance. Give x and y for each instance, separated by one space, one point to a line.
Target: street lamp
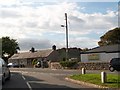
66 26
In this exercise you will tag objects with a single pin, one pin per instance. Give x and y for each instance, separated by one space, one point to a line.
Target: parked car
13 65
38 64
5 72
114 64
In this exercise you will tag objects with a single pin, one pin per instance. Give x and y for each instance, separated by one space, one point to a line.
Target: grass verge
113 81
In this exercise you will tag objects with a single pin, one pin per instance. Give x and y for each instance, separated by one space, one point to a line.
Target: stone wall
94 66
87 66
55 65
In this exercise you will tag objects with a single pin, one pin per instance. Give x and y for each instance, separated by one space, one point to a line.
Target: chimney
54 47
32 50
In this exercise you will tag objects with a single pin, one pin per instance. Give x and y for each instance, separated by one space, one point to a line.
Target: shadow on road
39 84
18 83
30 78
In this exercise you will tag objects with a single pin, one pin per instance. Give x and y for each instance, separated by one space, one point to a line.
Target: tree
110 38
85 49
9 47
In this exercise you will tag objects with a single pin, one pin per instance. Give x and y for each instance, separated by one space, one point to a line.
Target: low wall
55 65
94 66
87 66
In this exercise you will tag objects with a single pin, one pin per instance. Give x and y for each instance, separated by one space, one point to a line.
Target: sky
37 23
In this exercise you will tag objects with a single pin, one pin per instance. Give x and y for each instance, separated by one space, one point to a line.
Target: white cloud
83 42
26 20
27 43
96 22
7 2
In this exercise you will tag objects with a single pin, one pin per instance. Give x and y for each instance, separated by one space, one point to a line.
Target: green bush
34 62
67 63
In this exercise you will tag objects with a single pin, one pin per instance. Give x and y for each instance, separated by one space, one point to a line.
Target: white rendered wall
84 58
108 56
103 57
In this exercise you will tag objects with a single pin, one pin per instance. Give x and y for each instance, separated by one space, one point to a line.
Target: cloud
96 22
24 20
27 43
8 13
83 42
76 19
7 2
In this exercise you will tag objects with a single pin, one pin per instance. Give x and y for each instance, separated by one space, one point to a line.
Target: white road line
23 77
36 82
27 83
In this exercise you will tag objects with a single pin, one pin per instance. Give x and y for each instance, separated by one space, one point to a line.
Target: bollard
103 77
83 71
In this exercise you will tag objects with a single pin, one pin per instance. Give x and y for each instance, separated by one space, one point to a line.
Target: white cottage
49 55
101 54
27 58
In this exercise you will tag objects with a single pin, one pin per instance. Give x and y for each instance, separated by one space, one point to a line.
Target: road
36 78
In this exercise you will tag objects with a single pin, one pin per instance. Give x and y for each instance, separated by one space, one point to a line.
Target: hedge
67 63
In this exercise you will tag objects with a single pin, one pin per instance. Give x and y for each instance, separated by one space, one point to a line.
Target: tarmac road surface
36 78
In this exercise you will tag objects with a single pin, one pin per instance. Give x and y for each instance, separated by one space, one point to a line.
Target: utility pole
66 26
119 27
118 40
66 36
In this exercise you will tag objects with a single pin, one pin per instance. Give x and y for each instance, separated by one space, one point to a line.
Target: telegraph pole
66 36
118 41
66 27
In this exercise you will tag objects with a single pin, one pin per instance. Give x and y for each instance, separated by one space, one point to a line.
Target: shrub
34 62
67 63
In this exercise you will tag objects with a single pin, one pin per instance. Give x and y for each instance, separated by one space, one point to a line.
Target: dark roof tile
108 48
37 54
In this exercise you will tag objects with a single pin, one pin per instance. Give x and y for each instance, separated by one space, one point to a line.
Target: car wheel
9 76
111 69
3 80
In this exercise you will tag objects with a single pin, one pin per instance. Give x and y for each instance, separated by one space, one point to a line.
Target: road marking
36 82
23 77
27 83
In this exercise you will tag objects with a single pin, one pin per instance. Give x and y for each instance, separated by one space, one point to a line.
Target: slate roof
27 55
106 49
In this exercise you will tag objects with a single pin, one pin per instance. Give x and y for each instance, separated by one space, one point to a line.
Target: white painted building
27 58
101 54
